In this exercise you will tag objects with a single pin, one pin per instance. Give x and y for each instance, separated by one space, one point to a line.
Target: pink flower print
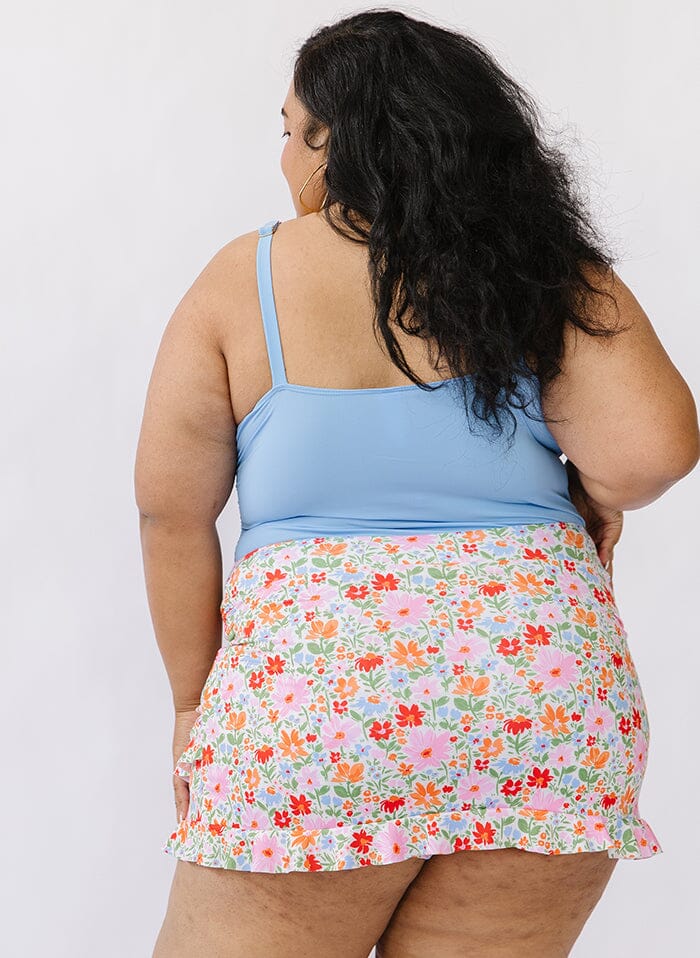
218 783
439 845
596 828
309 777
598 718
314 821
230 684
340 732
474 787
427 687
426 748
290 694
267 852
403 609
253 818
465 648
321 594
391 843
639 753
542 799
554 668
561 756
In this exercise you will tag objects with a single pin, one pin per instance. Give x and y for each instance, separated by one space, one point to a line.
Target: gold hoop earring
325 198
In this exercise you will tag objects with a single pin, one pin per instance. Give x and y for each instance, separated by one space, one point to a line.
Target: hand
184 722
604 524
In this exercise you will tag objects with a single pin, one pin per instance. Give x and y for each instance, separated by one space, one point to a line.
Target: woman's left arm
184 473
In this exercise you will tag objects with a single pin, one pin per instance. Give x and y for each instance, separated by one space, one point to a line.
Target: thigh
223 913
497 903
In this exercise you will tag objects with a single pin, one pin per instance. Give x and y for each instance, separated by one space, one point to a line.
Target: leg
223 913
497 903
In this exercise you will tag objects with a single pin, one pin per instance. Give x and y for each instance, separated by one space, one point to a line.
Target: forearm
182 566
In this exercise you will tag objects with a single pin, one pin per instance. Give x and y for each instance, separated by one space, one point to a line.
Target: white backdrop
139 139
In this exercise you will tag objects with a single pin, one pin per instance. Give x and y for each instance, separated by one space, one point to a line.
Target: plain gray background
139 138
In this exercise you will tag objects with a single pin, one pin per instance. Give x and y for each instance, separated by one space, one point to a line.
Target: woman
424 689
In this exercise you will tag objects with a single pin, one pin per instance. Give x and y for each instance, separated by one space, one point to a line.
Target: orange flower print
596 758
491 747
528 583
323 630
555 721
469 685
408 654
348 772
291 745
271 612
426 796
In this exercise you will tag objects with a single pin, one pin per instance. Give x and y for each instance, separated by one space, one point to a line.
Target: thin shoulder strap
267 302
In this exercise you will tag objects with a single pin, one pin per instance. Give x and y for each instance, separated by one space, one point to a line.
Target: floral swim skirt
383 697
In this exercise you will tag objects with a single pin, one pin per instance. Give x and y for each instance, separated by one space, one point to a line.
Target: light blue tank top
316 461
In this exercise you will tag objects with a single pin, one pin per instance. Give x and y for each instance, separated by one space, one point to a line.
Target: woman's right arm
632 424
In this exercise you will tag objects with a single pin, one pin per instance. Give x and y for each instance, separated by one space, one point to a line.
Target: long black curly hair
474 226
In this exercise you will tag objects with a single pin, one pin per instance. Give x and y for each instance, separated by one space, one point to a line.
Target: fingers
182 796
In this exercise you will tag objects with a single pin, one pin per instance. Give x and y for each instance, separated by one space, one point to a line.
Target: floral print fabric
392 696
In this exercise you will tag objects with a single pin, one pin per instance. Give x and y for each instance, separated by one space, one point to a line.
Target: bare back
325 312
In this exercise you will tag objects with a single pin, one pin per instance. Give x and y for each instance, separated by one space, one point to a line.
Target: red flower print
368 662
537 635
512 788
409 717
481 764
636 718
275 665
534 554
282 819
340 707
335 756
312 864
539 778
517 724
359 592
625 725
609 800
300 805
576 716
509 647
386 583
248 628
264 754
271 578
380 730
484 834
492 588
391 804
361 841
617 660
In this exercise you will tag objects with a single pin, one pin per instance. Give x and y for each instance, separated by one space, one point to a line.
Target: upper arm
629 413
186 456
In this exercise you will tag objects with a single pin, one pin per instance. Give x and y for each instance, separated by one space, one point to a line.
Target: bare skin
210 371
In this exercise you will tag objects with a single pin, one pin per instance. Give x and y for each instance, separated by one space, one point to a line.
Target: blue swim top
316 461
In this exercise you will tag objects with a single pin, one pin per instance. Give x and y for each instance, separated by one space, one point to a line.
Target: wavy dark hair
474 224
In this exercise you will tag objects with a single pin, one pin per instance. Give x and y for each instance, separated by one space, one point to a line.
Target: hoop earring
325 198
